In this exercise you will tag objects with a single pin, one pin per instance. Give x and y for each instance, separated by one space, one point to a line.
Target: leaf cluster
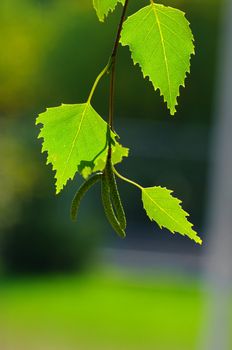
78 139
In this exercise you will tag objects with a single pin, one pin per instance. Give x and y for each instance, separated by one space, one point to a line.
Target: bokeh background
67 285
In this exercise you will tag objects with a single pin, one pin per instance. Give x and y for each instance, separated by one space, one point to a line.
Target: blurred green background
65 285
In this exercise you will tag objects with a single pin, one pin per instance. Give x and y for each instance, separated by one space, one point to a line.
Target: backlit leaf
166 210
74 137
161 42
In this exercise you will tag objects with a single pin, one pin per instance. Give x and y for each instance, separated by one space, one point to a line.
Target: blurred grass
100 311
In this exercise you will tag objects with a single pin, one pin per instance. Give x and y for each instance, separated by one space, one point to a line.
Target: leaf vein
164 211
74 140
171 18
164 51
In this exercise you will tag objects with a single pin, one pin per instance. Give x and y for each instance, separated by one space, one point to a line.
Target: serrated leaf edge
196 239
110 10
49 159
172 111
44 149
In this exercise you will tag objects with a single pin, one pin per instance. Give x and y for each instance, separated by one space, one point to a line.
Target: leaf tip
198 240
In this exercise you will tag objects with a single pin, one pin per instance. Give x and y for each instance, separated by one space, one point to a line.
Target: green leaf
75 136
103 7
118 152
161 42
166 210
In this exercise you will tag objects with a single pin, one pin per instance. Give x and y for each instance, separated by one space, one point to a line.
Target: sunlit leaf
75 137
161 42
166 210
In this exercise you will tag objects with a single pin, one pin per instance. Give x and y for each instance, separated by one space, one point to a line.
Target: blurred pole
216 328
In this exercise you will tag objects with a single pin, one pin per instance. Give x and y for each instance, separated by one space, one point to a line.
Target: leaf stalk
100 75
127 180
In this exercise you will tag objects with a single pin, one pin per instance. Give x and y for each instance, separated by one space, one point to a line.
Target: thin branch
113 66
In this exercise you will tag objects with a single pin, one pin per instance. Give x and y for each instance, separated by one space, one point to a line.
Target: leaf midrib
75 139
164 50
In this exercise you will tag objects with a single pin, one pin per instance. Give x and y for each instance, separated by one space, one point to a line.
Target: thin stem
103 72
113 65
112 94
116 44
127 180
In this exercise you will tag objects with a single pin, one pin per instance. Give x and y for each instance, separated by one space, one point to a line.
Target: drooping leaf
161 42
103 7
74 137
166 210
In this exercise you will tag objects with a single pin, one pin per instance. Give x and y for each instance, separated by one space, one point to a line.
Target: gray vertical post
216 332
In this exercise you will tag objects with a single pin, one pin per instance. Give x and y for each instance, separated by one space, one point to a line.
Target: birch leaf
75 137
161 42
166 210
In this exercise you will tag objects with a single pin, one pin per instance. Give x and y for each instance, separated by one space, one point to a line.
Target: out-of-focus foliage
30 30
18 177
103 7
